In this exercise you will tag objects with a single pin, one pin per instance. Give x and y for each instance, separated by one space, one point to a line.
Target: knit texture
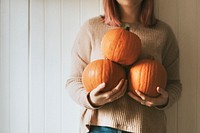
125 113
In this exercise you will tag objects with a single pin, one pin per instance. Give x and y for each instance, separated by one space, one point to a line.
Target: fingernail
103 84
143 98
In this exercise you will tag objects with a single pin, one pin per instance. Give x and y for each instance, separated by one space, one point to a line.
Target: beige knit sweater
125 113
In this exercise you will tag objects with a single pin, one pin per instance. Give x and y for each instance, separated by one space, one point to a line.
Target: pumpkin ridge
151 67
108 73
147 67
156 77
103 75
89 75
122 60
110 67
125 53
116 54
93 84
141 75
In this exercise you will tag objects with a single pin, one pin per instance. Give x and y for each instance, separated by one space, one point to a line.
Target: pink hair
112 14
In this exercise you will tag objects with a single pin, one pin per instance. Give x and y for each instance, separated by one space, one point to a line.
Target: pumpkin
100 71
121 46
146 75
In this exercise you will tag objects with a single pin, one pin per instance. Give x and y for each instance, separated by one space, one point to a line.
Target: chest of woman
152 42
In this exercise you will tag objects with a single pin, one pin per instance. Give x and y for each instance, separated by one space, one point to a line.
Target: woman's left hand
159 101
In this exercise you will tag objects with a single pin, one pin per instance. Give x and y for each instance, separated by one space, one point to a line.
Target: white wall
36 37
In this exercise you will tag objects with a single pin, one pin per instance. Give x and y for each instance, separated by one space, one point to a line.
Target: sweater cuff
88 103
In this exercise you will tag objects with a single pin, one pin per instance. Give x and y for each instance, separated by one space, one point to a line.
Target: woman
118 110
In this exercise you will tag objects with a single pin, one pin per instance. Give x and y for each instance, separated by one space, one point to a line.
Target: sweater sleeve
171 62
80 57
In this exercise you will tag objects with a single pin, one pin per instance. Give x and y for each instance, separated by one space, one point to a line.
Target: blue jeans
102 129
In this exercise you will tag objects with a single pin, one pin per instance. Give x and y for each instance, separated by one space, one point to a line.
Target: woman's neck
130 14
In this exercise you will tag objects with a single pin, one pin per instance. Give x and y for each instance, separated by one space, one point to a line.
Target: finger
149 103
99 88
124 87
138 99
140 94
161 91
116 89
120 84
120 93
145 101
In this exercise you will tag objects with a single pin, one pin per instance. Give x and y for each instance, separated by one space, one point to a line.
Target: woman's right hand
99 98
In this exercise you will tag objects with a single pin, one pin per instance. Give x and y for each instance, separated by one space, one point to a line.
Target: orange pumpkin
121 46
146 75
100 71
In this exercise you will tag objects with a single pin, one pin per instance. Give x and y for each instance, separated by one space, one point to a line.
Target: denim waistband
103 129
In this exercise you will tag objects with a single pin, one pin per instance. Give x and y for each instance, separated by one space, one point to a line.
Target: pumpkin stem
126 27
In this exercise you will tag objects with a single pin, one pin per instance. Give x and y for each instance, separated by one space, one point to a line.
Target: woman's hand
160 101
99 98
